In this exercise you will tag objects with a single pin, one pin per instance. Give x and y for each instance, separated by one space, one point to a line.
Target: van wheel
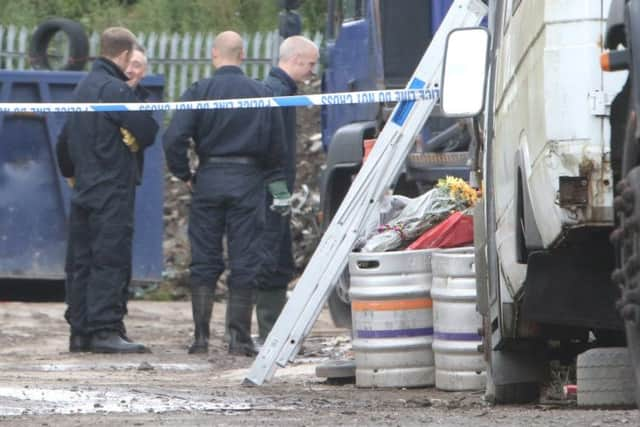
511 394
339 302
73 59
521 369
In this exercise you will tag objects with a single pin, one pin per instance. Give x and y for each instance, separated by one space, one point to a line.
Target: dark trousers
99 261
278 266
227 199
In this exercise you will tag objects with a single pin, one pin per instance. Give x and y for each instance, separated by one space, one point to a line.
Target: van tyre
78 44
511 394
339 302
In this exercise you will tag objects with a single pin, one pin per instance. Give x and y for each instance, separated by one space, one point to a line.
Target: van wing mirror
464 72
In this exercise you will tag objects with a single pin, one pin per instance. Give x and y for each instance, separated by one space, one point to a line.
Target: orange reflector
605 61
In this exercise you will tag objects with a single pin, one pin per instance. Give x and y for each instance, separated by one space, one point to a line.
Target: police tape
339 98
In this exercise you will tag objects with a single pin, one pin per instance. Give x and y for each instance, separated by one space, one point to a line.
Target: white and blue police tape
339 98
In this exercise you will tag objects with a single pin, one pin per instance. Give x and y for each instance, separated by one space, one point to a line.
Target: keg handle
369 264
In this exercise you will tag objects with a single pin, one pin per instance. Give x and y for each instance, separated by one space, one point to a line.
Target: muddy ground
41 384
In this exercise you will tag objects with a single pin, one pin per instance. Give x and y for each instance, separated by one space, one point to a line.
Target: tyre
78 49
339 303
605 377
512 377
517 393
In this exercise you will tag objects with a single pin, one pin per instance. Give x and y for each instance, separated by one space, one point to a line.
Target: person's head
298 58
227 49
137 66
116 44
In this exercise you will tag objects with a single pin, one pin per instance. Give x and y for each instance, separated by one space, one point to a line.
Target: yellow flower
459 190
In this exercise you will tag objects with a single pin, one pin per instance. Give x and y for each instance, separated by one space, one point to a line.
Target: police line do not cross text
340 98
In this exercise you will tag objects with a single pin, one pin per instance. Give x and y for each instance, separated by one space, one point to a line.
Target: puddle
62 367
39 401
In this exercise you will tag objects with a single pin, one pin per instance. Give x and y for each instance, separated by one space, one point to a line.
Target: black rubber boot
112 342
79 343
123 332
269 304
240 310
201 307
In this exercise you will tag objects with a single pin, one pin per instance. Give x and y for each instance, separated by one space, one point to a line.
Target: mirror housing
464 72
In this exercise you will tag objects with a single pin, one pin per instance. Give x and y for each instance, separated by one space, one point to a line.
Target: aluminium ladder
376 176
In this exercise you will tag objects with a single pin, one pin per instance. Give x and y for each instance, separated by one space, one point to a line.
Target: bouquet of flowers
449 195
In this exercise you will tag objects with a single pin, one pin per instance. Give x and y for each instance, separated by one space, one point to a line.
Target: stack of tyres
392 318
459 364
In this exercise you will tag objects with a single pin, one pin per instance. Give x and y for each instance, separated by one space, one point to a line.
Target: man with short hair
136 71
298 58
240 153
101 218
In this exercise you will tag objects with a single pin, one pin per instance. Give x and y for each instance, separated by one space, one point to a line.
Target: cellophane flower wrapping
450 195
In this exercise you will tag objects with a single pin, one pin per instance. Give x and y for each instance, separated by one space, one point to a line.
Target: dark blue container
34 198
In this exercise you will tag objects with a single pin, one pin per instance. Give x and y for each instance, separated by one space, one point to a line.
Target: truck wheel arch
527 234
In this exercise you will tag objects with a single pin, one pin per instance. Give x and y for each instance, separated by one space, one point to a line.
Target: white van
543 255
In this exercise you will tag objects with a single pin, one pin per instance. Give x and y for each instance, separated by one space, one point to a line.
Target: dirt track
42 384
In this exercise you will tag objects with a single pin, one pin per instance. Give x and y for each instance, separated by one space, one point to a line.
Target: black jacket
251 132
282 85
97 156
65 165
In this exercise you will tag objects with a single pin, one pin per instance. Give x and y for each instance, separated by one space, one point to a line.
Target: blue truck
374 45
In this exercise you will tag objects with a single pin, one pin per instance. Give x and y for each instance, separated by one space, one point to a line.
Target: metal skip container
392 318
459 364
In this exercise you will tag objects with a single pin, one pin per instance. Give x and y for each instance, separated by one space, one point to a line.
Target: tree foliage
161 15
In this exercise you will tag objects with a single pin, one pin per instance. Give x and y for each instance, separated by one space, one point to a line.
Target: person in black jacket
105 171
298 58
239 151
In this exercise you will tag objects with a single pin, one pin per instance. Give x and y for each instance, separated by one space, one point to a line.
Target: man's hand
129 140
281 198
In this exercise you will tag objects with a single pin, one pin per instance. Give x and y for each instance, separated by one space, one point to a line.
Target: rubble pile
305 226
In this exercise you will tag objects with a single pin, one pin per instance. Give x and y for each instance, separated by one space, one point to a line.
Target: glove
281 197
129 140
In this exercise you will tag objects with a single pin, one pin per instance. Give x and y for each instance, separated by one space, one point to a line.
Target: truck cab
375 45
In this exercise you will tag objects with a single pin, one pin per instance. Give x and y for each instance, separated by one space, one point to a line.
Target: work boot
201 307
240 310
269 304
112 342
123 332
79 343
